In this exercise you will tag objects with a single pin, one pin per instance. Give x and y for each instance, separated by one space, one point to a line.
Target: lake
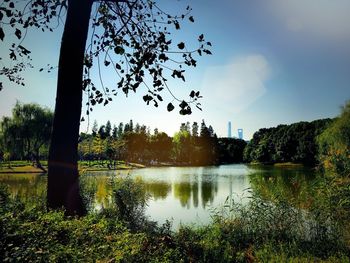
186 194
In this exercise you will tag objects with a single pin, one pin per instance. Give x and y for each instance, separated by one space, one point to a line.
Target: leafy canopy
131 38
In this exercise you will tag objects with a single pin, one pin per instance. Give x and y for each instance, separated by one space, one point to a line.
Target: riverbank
281 165
22 167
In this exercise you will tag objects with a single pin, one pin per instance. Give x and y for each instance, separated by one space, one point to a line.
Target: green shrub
261 231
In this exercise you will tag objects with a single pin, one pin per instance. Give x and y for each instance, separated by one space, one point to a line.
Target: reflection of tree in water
209 189
103 192
182 191
185 190
294 185
28 187
158 190
195 193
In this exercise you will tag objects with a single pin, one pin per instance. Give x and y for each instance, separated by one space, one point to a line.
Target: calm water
186 194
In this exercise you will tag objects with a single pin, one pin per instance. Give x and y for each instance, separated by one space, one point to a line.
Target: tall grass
260 231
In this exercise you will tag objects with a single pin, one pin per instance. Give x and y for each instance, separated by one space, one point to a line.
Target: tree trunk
63 176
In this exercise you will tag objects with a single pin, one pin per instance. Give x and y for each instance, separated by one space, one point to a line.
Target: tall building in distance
229 135
240 134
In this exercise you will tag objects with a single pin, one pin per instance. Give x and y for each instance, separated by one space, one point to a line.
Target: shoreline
28 169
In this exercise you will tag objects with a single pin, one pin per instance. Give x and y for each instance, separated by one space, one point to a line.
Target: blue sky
273 62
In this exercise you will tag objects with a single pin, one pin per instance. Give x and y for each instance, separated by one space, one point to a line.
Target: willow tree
131 36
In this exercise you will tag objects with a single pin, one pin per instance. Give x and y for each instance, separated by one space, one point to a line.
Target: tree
126 128
108 129
183 127
204 130
120 130
137 128
195 129
131 126
160 146
135 32
27 132
286 143
115 132
94 128
334 144
156 131
182 146
102 132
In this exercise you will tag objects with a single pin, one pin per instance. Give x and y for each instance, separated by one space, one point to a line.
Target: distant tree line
26 136
191 145
296 142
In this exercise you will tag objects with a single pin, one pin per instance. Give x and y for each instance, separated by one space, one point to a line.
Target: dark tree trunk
63 177
36 155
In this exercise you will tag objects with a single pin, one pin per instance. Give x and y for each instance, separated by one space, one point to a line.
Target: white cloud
326 18
235 86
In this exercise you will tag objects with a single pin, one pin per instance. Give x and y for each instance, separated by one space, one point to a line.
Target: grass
261 231
289 164
101 165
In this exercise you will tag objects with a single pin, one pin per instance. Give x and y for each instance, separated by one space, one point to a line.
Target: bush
334 145
261 231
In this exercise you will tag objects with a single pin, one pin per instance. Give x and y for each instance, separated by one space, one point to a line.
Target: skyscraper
229 135
240 134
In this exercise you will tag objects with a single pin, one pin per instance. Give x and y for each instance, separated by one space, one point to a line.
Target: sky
274 62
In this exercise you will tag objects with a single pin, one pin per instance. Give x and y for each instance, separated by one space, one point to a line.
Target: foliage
139 145
260 232
230 150
130 39
334 144
27 134
286 143
130 199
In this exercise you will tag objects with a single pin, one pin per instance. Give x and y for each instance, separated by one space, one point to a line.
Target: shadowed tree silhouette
132 37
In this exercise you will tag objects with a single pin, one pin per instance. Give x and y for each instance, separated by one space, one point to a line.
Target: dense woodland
286 143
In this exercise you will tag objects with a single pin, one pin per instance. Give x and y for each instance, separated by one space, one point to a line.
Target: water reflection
25 186
185 194
294 185
158 190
